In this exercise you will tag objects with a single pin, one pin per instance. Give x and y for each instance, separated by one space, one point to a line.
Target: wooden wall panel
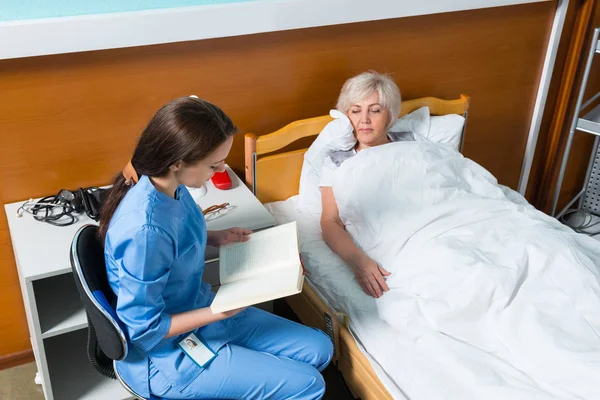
582 142
582 17
72 120
536 184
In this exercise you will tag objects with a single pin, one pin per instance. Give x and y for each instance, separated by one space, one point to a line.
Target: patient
488 297
372 103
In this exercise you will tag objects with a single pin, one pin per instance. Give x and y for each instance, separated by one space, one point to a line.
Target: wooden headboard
275 176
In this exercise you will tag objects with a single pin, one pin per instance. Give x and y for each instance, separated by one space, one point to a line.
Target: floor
18 383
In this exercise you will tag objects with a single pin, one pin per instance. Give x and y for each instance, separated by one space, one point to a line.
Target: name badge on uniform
197 350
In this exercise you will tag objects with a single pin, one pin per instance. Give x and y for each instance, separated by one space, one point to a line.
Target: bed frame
273 174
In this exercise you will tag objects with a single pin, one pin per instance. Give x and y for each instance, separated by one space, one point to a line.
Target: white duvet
489 298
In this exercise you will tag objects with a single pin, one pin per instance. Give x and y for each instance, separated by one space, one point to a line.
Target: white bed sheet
489 298
335 283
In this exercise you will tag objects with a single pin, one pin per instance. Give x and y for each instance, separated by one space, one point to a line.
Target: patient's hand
370 277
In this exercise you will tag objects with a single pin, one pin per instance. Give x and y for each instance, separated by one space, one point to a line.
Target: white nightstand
55 315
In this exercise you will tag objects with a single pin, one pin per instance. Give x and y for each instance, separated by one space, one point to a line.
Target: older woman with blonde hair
372 103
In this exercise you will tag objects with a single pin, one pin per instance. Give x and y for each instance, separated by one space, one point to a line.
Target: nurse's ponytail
186 129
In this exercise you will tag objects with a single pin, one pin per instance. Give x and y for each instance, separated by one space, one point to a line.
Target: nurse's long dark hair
186 129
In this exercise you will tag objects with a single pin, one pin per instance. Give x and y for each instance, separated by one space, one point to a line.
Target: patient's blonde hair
357 88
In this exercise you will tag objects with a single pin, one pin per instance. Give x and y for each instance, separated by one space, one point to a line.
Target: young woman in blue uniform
155 238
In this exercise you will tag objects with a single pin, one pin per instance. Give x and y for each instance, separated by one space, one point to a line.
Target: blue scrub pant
269 357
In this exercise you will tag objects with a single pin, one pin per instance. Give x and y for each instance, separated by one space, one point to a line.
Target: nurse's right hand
231 313
189 320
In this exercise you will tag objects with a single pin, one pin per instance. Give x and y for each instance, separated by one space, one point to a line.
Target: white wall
33 37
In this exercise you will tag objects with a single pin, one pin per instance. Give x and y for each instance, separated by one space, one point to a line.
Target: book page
265 251
247 292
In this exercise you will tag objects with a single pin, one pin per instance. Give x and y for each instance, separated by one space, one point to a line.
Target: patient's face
369 120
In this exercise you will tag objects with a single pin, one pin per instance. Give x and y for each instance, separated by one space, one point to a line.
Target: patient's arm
369 274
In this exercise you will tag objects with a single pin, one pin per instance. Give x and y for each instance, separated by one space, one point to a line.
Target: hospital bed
272 171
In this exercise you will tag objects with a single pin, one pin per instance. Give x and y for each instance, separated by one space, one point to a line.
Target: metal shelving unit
589 197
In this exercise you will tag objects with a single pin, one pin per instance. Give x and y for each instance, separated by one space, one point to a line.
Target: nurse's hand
231 313
226 236
193 319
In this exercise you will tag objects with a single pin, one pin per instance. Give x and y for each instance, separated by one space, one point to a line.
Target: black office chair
106 339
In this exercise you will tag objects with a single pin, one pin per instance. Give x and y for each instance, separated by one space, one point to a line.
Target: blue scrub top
154 252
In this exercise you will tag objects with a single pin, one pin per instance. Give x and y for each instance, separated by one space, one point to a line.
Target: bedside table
55 315
247 211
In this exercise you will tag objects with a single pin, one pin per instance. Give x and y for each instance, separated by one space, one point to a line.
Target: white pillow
446 129
337 135
417 122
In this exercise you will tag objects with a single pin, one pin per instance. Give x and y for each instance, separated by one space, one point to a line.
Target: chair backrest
89 271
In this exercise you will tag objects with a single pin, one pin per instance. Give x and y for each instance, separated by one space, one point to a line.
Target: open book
264 268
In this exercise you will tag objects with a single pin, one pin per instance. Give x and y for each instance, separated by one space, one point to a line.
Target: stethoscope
55 210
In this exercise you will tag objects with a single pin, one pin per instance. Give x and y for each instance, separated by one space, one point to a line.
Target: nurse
154 242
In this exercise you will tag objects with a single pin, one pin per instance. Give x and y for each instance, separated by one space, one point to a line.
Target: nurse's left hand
226 236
